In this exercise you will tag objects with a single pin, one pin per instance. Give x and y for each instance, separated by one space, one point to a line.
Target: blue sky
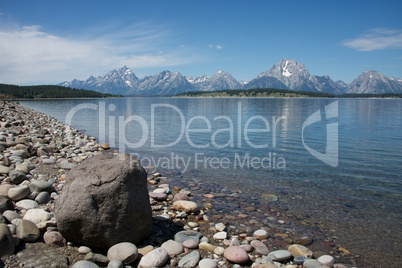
47 41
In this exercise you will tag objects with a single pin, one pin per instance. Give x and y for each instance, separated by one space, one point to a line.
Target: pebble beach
195 222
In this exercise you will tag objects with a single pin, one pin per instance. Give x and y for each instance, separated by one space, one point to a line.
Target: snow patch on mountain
285 71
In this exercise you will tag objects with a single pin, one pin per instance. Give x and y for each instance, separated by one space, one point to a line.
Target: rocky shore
194 223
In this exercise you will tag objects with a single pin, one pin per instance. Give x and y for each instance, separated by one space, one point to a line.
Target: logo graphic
330 156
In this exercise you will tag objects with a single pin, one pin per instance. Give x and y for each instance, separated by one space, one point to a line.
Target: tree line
47 91
274 92
256 92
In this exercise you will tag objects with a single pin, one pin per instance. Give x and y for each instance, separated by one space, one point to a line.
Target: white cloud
376 39
215 46
29 55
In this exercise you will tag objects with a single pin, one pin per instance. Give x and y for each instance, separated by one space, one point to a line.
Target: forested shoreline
278 93
10 92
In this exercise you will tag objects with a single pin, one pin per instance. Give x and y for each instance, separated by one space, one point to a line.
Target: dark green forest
363 95
257 92
47 92
279 93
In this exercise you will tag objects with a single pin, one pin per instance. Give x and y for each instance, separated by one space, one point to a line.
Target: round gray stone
11 215
186 235
311 263
84 264
18 193
327 260
40 186
259 247
24 167
173 248
125 252
115 264
190 260
279 255
4 169
54 238
207 263
300 259
5 204
4 188
84 249
220 235
43 198
27 231
155 258
17 176
26 204
97 258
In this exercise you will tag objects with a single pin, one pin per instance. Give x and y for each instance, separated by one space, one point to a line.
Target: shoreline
269 97
210 97
219 204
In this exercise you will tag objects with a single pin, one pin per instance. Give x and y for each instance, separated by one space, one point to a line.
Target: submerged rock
236 254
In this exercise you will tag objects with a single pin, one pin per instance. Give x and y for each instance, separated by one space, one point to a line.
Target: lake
337 160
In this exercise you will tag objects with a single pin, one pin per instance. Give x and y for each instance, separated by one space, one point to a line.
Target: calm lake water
353 183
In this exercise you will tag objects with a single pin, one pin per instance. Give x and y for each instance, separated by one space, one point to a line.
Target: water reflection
370 133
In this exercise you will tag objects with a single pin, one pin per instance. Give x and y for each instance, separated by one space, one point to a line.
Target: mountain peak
220 73
285 61
287 74
374 82
125 69
371 72
290 74
219 81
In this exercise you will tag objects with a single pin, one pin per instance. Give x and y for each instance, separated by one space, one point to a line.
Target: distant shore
278 93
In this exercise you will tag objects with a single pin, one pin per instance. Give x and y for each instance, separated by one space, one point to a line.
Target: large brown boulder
104 202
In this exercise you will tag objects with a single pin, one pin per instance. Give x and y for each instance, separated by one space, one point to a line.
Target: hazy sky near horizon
47 42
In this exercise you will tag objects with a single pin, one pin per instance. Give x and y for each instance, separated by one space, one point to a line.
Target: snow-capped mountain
373 82
120 81
124 82
289 74
219 81
164 83
397 80
294 75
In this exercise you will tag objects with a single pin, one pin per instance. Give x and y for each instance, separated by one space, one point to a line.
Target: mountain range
287 74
